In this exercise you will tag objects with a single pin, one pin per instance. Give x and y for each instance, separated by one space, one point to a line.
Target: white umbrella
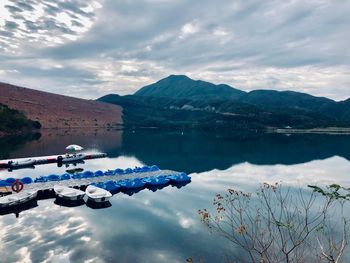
74 148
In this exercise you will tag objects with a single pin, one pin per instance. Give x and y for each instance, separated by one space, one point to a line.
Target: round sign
17 186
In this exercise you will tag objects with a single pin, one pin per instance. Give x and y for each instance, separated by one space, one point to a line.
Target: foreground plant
278 225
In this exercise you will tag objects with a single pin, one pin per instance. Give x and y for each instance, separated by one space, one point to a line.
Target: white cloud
41 23
189 29
247 44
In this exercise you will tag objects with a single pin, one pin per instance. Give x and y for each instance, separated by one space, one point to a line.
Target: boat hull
17 199
99 199
68 193
97 195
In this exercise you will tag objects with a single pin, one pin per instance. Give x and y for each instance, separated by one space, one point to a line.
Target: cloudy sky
88 48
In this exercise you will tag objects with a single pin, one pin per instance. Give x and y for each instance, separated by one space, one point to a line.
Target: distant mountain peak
175 76
183 87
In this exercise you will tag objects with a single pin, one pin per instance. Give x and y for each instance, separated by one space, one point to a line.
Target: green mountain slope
180 87
144 111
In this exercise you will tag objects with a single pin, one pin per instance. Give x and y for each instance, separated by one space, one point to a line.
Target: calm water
161 226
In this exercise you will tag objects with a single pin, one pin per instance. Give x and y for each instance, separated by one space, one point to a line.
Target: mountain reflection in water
160 226
189 151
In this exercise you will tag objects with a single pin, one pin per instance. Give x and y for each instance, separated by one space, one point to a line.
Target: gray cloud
123 45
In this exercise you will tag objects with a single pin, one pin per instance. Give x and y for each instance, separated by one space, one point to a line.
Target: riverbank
329 130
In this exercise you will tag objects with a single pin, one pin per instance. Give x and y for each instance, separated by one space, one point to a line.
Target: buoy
17 186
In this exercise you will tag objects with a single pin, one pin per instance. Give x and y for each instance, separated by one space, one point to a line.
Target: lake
160 226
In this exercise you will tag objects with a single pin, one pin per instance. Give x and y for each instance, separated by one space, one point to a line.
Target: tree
280 224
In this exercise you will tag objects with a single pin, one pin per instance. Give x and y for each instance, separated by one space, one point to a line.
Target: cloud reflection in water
161 226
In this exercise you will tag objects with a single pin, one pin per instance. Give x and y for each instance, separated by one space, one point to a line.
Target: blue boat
100 185
65 177
146 168
128 171
134 184
10 180
131 184
156 181
77 176
123 183
109 172
41 179
4 183
131 192
181 178
26 180
111 186
87 174
52 178
136 170
119 171
153 168
141 169
98 173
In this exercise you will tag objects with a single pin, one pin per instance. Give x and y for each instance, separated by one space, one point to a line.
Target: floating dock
83 182
6 164
129 181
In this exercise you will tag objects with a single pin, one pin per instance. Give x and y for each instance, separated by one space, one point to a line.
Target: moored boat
179 178
17 199
68 193
70 158
111 186
132 184
156 181
21 163
96 194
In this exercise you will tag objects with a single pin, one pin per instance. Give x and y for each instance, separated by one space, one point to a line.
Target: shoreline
329 130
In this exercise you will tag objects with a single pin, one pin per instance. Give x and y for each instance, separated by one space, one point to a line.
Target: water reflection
10 144
189 151
198 152
163 225
52 142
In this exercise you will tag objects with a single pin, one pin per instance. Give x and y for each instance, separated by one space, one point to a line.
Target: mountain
145 111
178 101
14 121
283 99
182 87
57 111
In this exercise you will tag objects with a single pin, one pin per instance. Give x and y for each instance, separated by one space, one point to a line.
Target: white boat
68 193
70 158
17 199
97 194
21 163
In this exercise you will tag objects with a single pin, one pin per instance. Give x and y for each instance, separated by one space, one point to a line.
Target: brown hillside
58 111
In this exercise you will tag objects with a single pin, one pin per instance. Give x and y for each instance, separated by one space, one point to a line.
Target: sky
89 48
